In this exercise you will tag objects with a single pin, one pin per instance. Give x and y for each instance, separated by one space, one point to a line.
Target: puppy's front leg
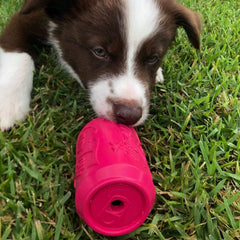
16 76
17 65
159 76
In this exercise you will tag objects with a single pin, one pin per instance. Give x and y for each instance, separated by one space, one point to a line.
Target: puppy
113 48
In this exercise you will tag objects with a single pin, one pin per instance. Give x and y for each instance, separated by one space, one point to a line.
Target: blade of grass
59 225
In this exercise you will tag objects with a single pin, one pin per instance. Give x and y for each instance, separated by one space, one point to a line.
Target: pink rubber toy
114 187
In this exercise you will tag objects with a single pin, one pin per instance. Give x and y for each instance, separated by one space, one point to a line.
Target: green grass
191 140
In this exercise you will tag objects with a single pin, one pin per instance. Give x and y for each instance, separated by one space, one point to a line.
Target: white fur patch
16 78
55 43
143 17
117 89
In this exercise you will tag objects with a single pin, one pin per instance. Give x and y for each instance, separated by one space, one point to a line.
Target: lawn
191 140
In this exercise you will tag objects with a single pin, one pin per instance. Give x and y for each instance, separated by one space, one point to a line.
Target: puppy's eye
153 59
100 53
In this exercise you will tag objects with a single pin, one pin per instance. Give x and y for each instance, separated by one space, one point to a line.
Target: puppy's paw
159 76
16 76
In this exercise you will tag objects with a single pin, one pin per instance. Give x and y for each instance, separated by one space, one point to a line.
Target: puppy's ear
190 21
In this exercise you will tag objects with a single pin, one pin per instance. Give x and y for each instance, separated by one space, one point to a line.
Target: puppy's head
115 47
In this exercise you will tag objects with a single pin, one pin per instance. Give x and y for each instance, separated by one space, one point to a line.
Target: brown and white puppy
113 48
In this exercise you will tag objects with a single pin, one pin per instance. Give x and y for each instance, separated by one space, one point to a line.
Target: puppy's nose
127 114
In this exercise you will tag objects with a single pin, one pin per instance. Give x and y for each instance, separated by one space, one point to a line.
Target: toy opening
117 205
